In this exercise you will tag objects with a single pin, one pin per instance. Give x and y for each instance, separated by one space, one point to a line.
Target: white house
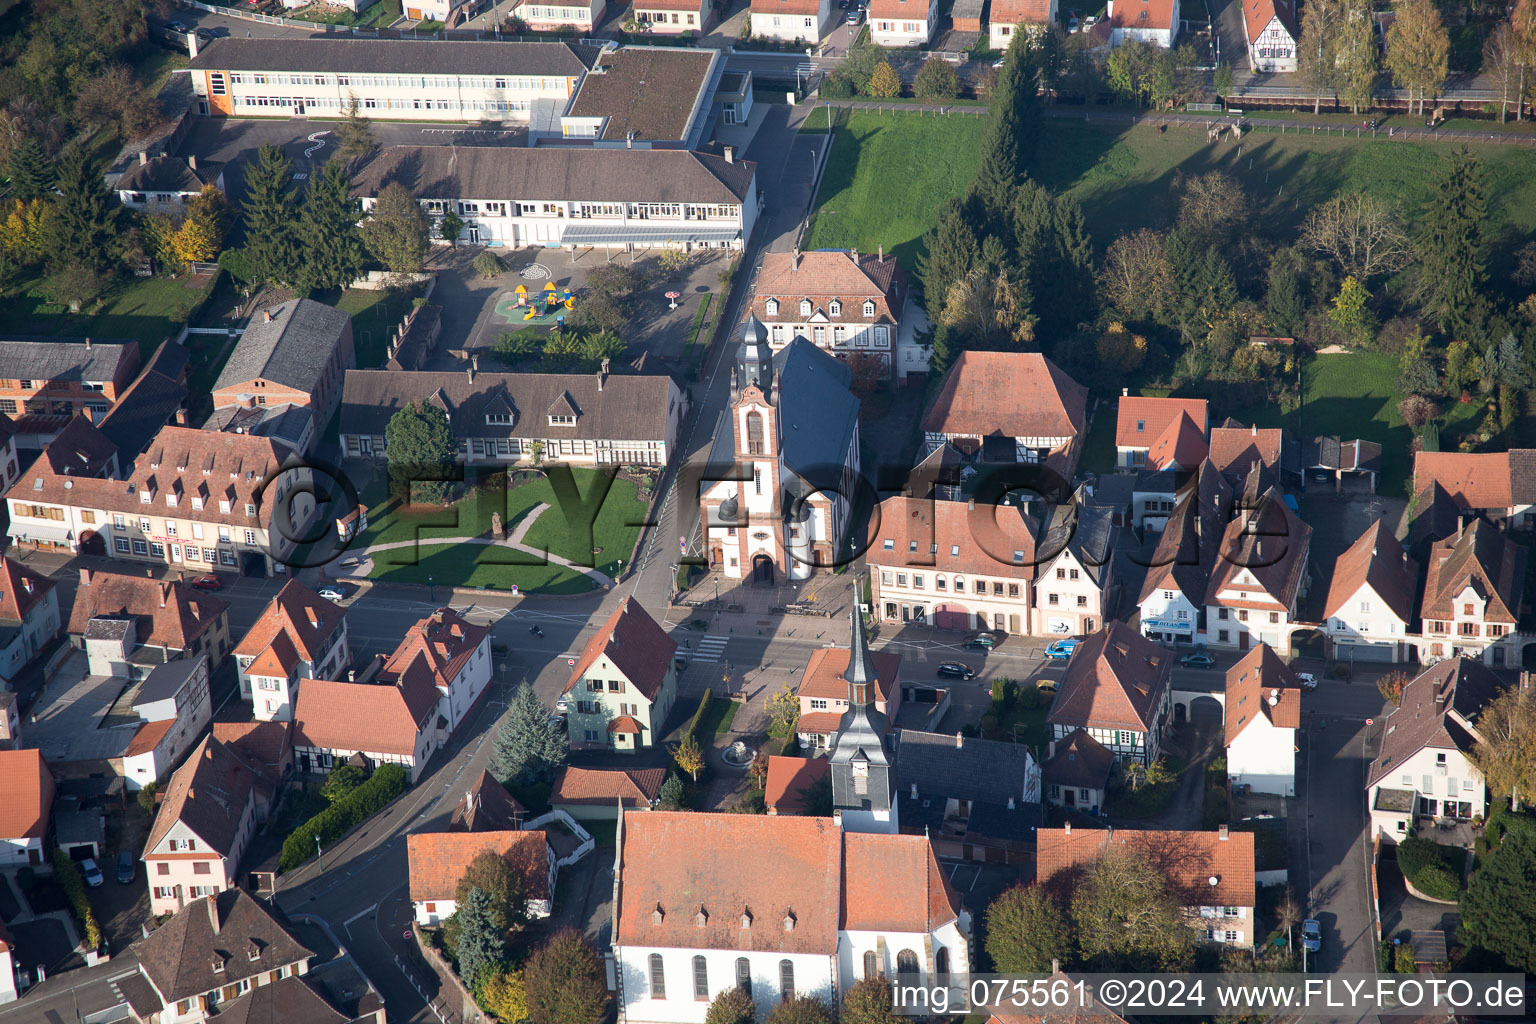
1117 688
791 21
8 993
1270 29
29 617
1473 588
1369 611
845 302
623 684
454 653
552 15
174 705
165 183
1010 16
1257 580
385 724
26 808
438 860
1141 422
902 22
819 910
1263 712
1172 599
1073 588
1422 772
1077 771
1146 21
299 635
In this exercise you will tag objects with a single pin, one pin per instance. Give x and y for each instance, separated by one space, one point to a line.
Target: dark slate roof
1080 762
556 173
291 349
178 956
166 680
395 56
416 339
168 174
33 358
1086 531
149 404
1522 476
627 408
1437 707
818 415
944 766
1330 452
1432 515
286 422
1190 543
650 91
285 1001
79 449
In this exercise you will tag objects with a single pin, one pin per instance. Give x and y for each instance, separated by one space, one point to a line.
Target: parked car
1311 935
984 641
124 867
1307 680
852 18
91 872
956 670
556 723
176 26
1198 658
562 705
207 583
1061 650
332 594
1049 686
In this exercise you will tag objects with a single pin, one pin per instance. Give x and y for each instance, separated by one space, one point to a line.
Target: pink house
823 693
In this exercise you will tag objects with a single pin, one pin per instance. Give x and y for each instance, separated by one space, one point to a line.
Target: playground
536 307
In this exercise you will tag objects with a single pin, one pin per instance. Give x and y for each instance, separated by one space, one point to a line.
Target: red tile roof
1008 394
1257 14
440 645
1014 12
439 859
486 807
208 794
894 884
1129 14
268 744
1115 680
819 723
849 277
1377 560
624 724
301 615
20 589
148 737
1188 859
801 7
379 718
637 787
1474 481
823 676
635 645
952 537
26 794
1154 415
1482 558
1180 446
1251 684
169 613
1234 450
898 9
788 780
1274 555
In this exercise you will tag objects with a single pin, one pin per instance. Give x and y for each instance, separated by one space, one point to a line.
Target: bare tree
1212 205
1502 66
1137 278
1418 49
1361 233
1289 913
1505 751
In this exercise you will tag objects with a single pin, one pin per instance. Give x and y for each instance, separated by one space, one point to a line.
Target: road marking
711 650
319 144
348 922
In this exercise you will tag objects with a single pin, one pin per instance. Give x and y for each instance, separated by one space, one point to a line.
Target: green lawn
887 178
380 15
375 314
146 309
476 565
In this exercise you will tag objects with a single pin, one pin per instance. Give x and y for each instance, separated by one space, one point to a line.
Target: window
121 544
773 307
805 307
1082 601
906 963
754 434
250 536
941 962
1061 574
744 975
786 980
140 548
869 307
1124 738
939 584
818 704
162 869
871 964
700 979
835 308
658 978
201 868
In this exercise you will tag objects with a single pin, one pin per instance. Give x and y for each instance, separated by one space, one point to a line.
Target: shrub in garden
342 816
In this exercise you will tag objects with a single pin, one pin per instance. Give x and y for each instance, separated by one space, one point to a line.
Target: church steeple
754 360
863 794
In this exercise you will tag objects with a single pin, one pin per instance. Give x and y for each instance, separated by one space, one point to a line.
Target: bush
487 265
1437 882
73 885
504 995
999 694
692 732
238 264
1415 854
731 1006
341 817
147 796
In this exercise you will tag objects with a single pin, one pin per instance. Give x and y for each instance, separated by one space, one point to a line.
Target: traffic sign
570 661
1370 721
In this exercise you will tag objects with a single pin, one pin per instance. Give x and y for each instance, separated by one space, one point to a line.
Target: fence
587 844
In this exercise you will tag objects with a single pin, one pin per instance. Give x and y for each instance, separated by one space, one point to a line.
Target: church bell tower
863 777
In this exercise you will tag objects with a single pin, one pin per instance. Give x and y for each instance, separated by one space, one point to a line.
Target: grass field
374 315
146 309
887 178
476 565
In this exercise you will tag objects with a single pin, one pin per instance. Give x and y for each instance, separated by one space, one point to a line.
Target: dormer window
250 509
498 419
197 503
561 421
144 497
772 308
869 307
170 501
805 307
224 506
835 308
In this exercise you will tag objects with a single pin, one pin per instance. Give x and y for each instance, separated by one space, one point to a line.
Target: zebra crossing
711 650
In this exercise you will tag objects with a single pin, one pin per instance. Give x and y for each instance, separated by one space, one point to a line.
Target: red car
208 583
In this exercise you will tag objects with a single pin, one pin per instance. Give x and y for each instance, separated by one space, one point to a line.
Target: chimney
192 45
914 791
213 913
971 506
1055 966
250 401
959 740
87 344
164 589
1253 430
1010 803
143 158
1050 749
85 577
730 154
1221 833
882 252
266 316
1125 392
470 372
192 162
1066 828
181 418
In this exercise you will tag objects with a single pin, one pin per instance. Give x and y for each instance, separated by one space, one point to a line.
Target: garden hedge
698 716
73 883
341 817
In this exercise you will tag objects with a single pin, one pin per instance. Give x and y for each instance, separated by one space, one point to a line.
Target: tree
1136 278
1460 368
672 796
271 242
1359 232
953 248
333 253
1212 205
884 82
1506 751
397 232
1450 247
490 873
527 750
1418 49
802 1010
1119 350
1498 910
758 769
936 80
1222 81
1522 22
481 949
420 451
354 132
1010 117
599 345
146 796
1286 300
565 982
1316 65
487 265
87 214
1391 686
31 169
783 712
1289 914
194 242
1416 410
115 97
732 1006
1351 310
1130 68
689 757
1357 55
213 208
991 309
1419 370
1027 930
868 1001
858 66
449 228
1127 919
1501 64
343 779
504 995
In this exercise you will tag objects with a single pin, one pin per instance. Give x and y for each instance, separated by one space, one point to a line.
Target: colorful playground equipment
542 306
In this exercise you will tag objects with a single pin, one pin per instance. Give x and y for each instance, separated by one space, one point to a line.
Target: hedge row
342 816
698 716
68 874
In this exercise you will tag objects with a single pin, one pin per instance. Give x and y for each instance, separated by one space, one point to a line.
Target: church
792 436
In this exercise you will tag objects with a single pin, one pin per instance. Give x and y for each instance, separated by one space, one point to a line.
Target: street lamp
431 591
318 856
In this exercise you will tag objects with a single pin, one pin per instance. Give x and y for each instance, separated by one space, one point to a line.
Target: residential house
1076 772
1010 407
174 707
1257 580
129 624
1262 713
266 746
212 807
26 808
1140 422
81 449
558 15
10 466
1212 873
574 196
1422 772
1010 16
1075 585
1172 599
55 378
646 96
845 302
1369 611
1154 492
383 723
155 399
1356 460
394 79
823 693
820 909
448 12
977 799
202 961
197 498
902 22
292 356
307 1000
1145 21
789 462
505 419
1236 449
1271 31
956 565
1474 586
598 793
487 807
673 17
791 21
299 635
29 617
453 653
438 861
165 184
1498 485
1180 448
624 682
1117 688
791 782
